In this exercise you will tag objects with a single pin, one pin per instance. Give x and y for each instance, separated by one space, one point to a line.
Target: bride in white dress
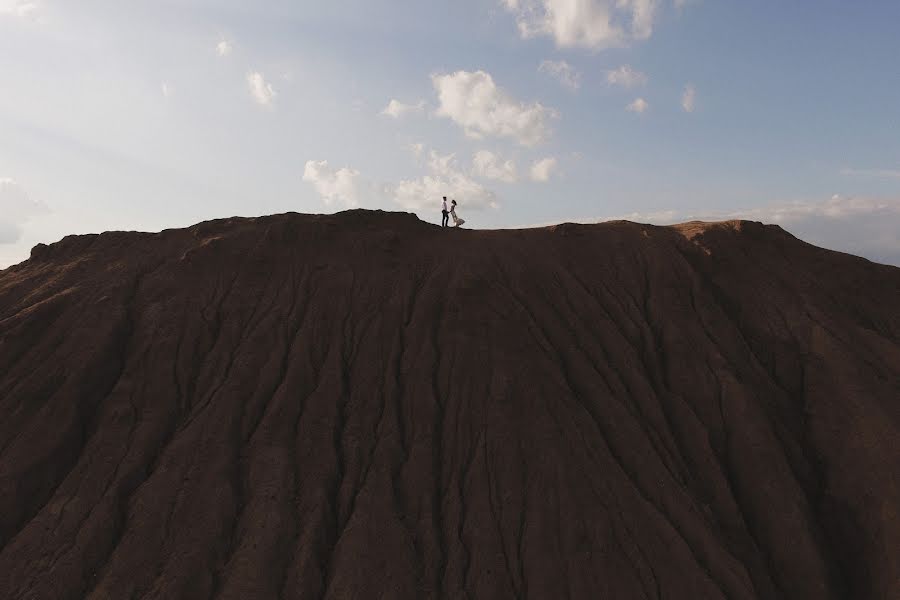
457 222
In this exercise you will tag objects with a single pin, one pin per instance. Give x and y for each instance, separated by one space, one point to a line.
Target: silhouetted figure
444 213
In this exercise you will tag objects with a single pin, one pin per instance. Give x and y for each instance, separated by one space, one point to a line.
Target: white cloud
167 90
397 109
638 106
333 185
442 164
563 72
224 48
489 165
19 8
425 193
689 98
444 178
260 89
625 77
594 24
16 208
474 102
543 169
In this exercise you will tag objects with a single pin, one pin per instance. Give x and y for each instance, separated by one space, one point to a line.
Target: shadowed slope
363 405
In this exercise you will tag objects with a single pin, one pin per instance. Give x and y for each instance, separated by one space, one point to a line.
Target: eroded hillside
365 406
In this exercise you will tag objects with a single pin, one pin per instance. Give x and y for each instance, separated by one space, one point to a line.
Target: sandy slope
365 406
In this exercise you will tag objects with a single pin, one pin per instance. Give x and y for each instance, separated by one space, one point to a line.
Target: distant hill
363 405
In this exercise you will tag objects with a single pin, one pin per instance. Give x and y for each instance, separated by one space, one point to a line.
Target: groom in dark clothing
444 212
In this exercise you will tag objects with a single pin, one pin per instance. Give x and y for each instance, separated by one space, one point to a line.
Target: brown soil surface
365 406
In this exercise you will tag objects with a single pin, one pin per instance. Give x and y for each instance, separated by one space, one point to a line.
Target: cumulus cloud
689 98
397 109
625 77
425 193
474 102
639 106
261 90
224 48
16 208
20 8
490 166
442 164
335 186
563 72
543 169
445 177
593 24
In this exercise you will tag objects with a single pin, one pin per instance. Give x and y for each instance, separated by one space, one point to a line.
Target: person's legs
445 218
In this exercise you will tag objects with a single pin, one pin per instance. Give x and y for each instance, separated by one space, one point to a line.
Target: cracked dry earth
364 406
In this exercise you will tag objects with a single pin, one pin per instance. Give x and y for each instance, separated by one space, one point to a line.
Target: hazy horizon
529 112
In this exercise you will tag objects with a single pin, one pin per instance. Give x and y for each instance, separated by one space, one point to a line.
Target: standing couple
456 220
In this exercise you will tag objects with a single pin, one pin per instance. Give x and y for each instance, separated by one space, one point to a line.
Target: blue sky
148 115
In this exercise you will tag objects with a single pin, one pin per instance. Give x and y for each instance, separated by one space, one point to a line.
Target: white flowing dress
456 220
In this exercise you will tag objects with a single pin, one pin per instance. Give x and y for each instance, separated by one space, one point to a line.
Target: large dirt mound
365 406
